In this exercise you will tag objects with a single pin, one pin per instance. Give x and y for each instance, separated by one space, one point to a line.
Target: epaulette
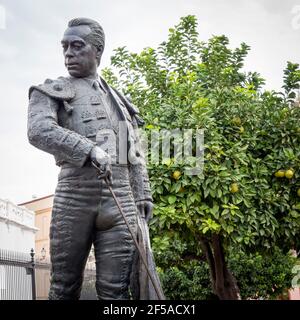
60 89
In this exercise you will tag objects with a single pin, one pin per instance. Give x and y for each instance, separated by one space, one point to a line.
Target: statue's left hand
145 209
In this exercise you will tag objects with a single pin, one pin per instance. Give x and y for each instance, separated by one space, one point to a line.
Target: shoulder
60 89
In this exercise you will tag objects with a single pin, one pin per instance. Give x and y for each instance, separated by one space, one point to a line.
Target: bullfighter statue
88 125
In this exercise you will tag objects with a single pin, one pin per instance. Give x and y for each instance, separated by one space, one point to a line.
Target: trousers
85 213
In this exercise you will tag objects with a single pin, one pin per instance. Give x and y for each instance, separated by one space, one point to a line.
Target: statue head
83 44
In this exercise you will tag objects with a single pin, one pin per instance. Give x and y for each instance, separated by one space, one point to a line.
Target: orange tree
248 195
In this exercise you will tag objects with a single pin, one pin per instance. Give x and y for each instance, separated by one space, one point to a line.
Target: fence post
33 275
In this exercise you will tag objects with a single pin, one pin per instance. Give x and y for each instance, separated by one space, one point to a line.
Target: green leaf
172 199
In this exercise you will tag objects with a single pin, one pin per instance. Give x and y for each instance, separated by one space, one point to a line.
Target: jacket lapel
115 99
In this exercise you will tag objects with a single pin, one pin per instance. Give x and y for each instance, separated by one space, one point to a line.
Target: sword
103 175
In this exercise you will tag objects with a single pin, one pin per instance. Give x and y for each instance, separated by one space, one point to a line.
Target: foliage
249 135
263 277
291 80
259 277
189 281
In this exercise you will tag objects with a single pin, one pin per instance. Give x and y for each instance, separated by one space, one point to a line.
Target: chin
76 74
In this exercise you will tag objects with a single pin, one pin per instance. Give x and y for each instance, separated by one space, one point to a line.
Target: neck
92 76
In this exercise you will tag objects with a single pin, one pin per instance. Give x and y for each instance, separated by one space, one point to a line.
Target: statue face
80 56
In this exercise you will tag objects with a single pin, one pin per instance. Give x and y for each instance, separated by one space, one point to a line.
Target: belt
88 164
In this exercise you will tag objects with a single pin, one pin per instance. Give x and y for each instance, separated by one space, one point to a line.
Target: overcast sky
30 52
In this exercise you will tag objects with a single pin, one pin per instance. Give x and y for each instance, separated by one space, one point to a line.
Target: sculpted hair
96 37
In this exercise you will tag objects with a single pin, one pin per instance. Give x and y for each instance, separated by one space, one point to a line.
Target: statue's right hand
103 160
99 156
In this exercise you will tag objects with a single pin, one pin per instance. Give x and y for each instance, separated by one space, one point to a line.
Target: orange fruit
237 121
289 174
176 174
234 188
279 174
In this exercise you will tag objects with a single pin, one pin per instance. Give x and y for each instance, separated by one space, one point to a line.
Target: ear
99 54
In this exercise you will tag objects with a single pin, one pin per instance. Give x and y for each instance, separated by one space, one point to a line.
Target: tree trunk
223 282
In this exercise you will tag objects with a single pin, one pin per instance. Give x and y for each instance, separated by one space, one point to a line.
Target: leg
114 247
70 243
71 235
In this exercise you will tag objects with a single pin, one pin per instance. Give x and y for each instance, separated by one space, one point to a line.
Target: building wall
17 238
42 221
39 204
17 230
42 208
294 294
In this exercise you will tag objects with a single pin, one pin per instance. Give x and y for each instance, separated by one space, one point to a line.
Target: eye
64 47
78 45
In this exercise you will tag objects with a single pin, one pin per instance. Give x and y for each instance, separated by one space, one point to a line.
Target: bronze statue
77 119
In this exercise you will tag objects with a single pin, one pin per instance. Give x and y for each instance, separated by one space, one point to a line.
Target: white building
17 230
17 238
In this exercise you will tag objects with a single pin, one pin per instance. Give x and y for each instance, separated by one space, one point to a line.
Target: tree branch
219 261
205 245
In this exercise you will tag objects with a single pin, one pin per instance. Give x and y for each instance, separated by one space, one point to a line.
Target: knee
65 286
109 290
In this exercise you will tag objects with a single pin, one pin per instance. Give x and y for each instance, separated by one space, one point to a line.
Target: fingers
145 209
148 210
141 209
100 156
109 174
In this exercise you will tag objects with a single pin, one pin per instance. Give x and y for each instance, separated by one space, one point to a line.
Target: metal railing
43 273
22 277
17 275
